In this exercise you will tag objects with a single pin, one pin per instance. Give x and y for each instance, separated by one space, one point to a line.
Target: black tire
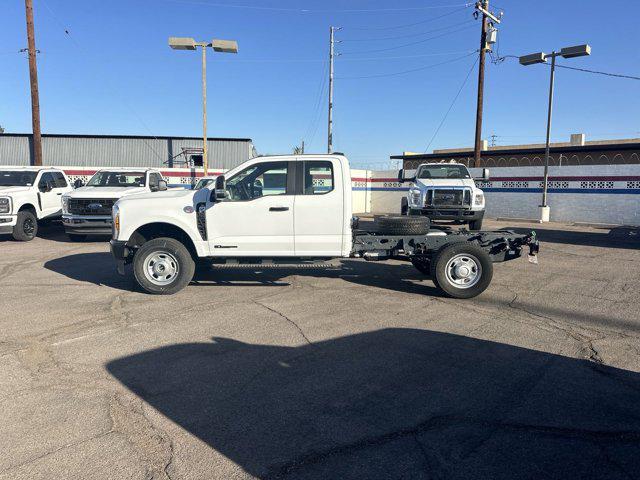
404 207
476 256
173 256
76 237
475 225
403 225
26 228
422 264
414 212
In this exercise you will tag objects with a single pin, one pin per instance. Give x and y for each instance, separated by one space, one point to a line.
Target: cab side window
259 180
318 178
46 182
60 181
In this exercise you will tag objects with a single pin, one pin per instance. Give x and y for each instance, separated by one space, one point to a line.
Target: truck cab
444 191
87 209
29 195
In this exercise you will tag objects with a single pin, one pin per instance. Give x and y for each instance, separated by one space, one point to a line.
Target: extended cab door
319 207
257 217
51 186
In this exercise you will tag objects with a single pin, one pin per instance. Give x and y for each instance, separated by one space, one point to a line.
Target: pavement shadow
97 268
617 237
401 278
396 403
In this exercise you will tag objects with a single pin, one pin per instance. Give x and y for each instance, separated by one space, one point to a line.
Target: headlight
414 197
479 200
65 204
116 222
5 205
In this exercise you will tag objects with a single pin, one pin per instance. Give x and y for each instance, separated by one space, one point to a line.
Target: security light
532 59
577 51
182 43
225 46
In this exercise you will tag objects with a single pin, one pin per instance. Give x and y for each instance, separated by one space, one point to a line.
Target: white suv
87 210
28 195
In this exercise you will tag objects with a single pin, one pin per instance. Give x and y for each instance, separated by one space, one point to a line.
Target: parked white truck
444 191
87 209
291 209
29 195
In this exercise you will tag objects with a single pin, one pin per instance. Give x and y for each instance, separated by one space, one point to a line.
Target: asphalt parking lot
351 373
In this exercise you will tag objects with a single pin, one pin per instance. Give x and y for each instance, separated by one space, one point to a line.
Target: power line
393 74
617 75
406 25
413 35
309 10
407 44
452 104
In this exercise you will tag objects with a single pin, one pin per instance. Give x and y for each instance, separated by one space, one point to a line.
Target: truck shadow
395 403
402 278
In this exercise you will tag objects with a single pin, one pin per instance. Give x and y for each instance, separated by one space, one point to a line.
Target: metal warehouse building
124 151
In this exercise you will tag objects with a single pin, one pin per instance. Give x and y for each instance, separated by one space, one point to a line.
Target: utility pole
482 6
33 77
332 42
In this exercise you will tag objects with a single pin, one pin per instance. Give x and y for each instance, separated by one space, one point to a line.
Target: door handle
278 209
59 193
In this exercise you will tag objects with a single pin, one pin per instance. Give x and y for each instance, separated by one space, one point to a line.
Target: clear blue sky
115 74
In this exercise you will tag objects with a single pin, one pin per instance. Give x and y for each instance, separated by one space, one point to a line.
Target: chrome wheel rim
161 268
28 227
463 270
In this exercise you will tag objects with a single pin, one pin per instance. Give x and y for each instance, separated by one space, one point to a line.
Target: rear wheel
163 266
462 270
26 227
403 225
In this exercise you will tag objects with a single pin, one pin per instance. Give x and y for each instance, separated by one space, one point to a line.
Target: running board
272 264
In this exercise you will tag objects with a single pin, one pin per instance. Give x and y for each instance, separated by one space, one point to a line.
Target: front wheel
26 227
163 266
462 270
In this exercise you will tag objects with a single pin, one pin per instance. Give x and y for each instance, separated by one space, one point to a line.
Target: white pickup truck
291 209
444 191
87 209
29 195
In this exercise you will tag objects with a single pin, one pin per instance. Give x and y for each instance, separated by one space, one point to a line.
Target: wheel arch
28 206
153 230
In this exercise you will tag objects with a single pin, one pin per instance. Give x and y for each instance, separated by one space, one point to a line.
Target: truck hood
13 190
106 192
173 193
444 182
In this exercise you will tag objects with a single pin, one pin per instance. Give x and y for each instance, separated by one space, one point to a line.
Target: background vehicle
28 196
444 191
291 209
87 210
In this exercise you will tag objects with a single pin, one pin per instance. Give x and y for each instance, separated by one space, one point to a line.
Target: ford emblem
94 206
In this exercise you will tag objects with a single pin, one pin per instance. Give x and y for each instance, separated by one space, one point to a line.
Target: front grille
442 197
91 206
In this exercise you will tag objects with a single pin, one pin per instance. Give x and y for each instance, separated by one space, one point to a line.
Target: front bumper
7 222
448 213
121 253
87 224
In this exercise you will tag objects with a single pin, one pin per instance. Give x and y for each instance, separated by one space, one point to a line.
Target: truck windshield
9 178
117 179
443 171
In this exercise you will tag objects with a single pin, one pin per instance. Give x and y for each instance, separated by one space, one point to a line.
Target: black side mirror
401 176
220 190
46 187
485 174
78 183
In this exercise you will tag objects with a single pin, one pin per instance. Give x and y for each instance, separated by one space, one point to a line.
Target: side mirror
402 178
78 183
162 186
485 174
45 187
220 189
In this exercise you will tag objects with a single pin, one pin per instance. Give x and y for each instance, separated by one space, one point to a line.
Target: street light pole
545 207
222 46
541 57
205 160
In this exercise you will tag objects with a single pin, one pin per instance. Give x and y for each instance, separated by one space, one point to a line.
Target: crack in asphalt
282 315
